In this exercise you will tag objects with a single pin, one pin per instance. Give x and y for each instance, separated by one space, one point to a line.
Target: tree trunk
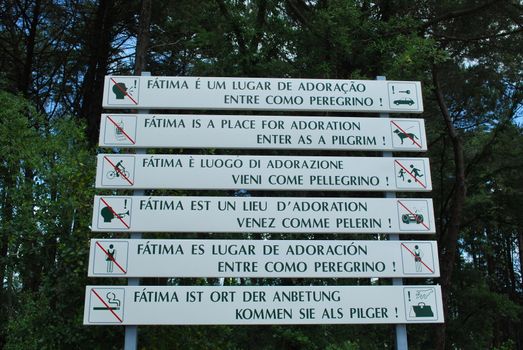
520 244
32 277
8 210
142 39
448 240
99 49
510 267
25 81
6 233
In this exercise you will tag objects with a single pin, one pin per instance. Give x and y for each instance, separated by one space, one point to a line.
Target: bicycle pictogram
119 170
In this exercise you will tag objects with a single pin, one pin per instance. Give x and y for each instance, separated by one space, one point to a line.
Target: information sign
262 259
167 171
262 94
261 132
221 305
262 214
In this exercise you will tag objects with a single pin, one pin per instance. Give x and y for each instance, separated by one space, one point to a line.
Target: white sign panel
267 258
262 214
167 171
262 94
262 132
206 305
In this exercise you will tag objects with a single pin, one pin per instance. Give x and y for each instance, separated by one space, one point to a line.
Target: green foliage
47 168
348 345
47 192
477 311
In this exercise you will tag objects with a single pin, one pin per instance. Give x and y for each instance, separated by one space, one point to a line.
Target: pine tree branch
458 13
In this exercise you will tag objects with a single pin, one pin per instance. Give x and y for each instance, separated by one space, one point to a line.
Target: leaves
47 166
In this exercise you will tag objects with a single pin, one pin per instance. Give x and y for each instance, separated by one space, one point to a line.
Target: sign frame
262 214
201 258
262 132
242 305
232 172
276 94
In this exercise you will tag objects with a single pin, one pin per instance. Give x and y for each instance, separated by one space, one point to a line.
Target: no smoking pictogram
106 305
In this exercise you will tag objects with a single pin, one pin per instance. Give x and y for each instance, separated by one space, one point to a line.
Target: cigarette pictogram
111 299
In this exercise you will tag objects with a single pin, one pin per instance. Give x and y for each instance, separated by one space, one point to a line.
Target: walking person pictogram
111 254
418 259
110 258
418 254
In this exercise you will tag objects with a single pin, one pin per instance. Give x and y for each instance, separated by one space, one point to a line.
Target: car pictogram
404 101
409 218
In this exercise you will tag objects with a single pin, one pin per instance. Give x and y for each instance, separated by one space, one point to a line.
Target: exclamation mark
125 203
381 101
383 140
135 83
393 90
394 266
408 294
396 311
390 223
387 180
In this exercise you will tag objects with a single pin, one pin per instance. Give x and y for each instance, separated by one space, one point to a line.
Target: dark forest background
53 57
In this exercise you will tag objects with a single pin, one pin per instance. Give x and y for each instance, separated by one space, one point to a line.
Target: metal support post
131 332
401 329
